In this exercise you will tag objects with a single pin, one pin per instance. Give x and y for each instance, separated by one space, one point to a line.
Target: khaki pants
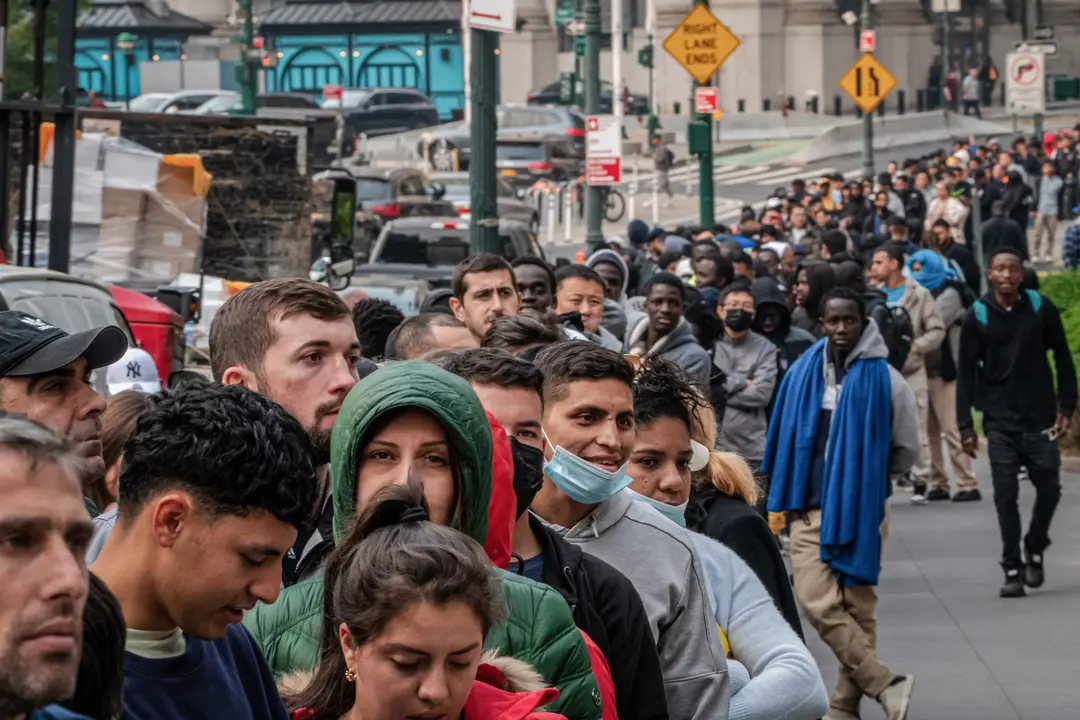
920 471
941 425
844 617
1045 225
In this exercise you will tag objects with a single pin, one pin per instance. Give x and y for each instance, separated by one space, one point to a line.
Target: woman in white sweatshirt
772 672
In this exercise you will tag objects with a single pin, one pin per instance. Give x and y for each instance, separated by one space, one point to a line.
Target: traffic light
645 56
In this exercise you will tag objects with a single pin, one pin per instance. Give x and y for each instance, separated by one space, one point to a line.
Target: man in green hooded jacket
539 628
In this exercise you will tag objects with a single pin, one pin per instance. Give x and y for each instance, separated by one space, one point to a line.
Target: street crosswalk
768 176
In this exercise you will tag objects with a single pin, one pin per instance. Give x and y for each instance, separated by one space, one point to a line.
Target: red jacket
488 701
499 541
602 673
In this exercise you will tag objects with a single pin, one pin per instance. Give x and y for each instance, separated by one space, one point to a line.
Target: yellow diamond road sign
867 82
701 43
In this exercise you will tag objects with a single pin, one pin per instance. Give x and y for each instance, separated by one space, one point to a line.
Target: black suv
383 111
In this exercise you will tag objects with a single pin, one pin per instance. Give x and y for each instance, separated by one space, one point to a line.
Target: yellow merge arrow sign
867 82
701 43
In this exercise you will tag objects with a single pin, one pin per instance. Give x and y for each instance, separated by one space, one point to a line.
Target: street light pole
1031 21
484 225
946 22
594 211
650 28
616 63
250 76
867 22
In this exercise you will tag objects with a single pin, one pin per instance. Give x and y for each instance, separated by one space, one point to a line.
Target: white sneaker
919 498
896 698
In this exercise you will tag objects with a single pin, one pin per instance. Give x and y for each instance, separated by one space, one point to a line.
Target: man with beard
292 340
45 531
45 375
484 288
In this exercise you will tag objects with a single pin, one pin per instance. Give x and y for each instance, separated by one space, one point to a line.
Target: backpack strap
1035 299
980 312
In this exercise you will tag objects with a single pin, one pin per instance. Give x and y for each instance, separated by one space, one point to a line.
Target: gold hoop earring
350 674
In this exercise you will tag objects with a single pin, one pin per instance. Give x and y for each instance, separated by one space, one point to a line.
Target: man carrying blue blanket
845 423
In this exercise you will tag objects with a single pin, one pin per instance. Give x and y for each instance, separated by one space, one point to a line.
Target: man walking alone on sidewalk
1004 372
845 423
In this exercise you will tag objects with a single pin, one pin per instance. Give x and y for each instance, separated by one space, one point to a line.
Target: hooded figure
539 628
773 321
616 317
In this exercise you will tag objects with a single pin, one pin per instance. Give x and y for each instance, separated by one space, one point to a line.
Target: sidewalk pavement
975 656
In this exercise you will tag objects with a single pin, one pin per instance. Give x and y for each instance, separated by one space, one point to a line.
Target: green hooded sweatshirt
539 628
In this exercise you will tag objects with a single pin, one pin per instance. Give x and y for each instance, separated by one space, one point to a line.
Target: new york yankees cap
31 346
134 371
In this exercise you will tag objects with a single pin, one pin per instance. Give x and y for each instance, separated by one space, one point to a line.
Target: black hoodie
1003 369
791 341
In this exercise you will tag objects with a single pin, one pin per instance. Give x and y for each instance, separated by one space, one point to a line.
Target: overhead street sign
867 82
495 15
701 43
1025 83
603 150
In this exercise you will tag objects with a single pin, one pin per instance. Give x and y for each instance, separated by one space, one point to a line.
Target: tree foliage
20 50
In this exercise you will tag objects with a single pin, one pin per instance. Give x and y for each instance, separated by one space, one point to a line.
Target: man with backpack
928 332
1004 372
952 298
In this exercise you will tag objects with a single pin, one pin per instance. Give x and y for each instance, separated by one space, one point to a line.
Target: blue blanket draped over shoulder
855 483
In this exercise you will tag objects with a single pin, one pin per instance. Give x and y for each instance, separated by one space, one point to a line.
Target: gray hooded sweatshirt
746 419
678 346
616 317
670 579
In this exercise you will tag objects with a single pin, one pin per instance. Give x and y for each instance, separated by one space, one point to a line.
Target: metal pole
944 57
867 21
5 145
466 56
594 204
976 226
1031 21
63 141
616 63
249 89
650 25
706 207
484 226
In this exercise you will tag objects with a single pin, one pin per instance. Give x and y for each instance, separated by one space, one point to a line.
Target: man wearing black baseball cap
45 375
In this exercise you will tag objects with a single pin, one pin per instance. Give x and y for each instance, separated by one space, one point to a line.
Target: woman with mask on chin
408 605
772 673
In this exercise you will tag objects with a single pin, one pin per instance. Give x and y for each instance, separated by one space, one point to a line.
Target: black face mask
739 320
528 473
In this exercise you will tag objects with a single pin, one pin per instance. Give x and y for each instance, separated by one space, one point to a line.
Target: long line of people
555 492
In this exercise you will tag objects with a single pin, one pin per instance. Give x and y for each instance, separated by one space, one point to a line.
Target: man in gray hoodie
588 427
749 361
611 267
664 332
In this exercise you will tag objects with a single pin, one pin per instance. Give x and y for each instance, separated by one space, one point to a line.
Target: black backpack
896 328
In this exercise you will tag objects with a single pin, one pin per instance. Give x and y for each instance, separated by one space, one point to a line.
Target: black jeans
972 106
1008 453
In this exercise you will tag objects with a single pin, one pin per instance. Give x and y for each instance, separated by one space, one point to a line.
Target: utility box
698 136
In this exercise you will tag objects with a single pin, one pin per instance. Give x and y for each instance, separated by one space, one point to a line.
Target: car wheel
441 156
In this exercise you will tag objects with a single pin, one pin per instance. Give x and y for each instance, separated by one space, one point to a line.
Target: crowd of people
557 492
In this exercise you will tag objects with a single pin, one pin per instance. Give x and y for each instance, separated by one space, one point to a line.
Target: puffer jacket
539 628
679 346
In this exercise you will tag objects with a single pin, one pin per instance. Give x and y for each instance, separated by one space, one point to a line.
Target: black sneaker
937 494
967 496
1014 584
1034 577
904 483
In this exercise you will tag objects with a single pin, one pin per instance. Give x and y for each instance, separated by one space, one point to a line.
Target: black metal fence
52 99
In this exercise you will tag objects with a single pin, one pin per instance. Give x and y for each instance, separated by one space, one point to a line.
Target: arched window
309 70
389 67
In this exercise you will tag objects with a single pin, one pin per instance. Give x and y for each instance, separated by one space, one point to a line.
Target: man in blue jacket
844 424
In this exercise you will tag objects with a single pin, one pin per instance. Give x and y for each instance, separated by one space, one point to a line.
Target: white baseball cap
134 371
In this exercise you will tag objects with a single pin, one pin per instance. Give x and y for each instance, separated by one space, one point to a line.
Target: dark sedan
551 95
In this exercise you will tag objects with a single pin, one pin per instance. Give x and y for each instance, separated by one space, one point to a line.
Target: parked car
511 205
514 121
551 95
527 161
289 104
182 101
430 248
382 111
383 195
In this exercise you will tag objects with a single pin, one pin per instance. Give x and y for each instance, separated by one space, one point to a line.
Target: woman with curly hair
772 673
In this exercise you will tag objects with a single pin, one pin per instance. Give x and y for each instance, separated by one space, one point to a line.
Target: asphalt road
975 656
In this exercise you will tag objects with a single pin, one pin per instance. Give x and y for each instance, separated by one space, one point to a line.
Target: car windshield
434 247
220 104
148 102
519 152
373 190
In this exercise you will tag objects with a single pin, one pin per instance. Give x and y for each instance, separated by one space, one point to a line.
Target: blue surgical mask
674 513
582 481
